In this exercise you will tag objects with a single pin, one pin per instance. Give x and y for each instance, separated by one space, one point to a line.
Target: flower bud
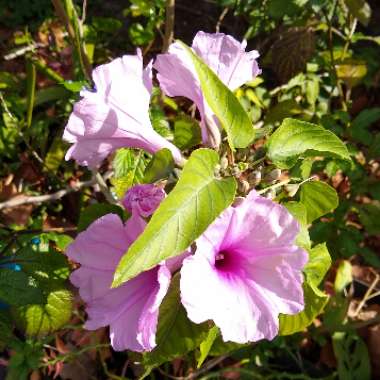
254 178
224 163
272 176
217 170
243 186
235 171
291 189
270 194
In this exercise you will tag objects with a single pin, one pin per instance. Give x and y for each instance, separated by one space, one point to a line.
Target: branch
169 25
18 201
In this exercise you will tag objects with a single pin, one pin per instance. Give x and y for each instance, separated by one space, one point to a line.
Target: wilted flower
115 115
130 310
246 271
224 55
143 199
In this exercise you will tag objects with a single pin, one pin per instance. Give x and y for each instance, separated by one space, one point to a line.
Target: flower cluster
241 273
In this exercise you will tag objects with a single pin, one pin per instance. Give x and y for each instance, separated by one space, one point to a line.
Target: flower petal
261 223
103 243
227 300
116 115
147 325
227 58
224 55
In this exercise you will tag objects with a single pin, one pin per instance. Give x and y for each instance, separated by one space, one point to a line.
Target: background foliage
320 65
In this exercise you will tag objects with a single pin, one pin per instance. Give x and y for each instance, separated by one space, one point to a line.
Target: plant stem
169 25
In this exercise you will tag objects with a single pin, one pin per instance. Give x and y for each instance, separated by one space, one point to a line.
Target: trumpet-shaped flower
115 114
143 199
246 271
224 55
130 310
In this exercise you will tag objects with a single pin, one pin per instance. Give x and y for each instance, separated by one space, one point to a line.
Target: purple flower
224 55
131 310
246 271
115 115
143 199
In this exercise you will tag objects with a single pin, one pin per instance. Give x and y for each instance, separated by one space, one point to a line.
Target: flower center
223 260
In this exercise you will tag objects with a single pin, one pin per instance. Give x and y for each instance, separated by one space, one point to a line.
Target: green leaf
159 167
359 9
197 199
281 110
129 166
318 264
295 138
95 211
31 91
343 276
17 289
231 114
315 301
206 345
37 320
5 328
359 127
351 71
56 155
319 198
187 132
369 215
176 334
44 267
298 210
352 355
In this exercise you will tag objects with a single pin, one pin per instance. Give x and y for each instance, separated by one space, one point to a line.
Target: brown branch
169 25
18 201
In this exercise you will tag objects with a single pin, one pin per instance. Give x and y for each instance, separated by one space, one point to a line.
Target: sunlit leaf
197 199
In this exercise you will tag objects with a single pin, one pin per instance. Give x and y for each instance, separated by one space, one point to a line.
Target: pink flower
246 271
115 115
143 199
224 55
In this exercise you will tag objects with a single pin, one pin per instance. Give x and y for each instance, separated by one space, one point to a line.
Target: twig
84 8
104 188
23 50
83 59
221 18
18 201
334 70
169 25
367 295
209 365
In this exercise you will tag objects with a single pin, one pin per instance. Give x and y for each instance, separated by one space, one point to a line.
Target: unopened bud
292 189
244 186
224 163
235 171
273 176
238 201
217 170
254 178
270 194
